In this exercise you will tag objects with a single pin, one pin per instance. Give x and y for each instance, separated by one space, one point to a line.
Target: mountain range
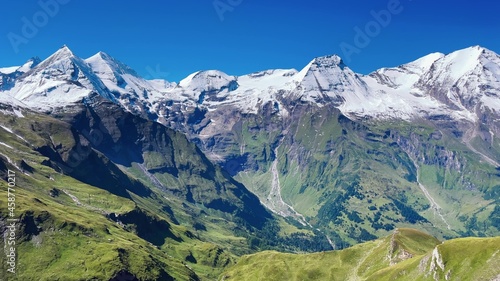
292 160
459 84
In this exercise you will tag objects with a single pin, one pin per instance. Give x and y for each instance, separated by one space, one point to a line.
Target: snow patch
388 93
7 129
6 145
8 70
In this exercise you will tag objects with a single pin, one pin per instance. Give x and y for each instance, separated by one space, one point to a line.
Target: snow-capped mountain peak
455 83
329 61
452 67
130 90
59 80
102 62
328 79
59 61
63 54
325 62
464 79
31 63
209 80
405 75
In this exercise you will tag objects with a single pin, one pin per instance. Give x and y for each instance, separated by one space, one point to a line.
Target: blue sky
171 39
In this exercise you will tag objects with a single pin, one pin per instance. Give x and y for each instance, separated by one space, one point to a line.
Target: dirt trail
79 203
354 271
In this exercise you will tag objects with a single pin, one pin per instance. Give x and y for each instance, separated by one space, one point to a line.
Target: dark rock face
147 226
427 153
124 275
104 135
295 140
303 133
3 168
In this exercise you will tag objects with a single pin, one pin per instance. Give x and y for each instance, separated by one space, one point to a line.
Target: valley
254 177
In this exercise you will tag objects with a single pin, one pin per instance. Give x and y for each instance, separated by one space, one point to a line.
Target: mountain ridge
312 143
406 254
345 90
97 182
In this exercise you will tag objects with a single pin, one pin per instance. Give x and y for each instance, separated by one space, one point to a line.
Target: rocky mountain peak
209 80
328 79
102 62
63 53
416 89
458 64
57 81
31 63
464 79
329 61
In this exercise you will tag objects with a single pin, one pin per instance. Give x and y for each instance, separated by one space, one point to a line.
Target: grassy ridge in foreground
405 255
88 212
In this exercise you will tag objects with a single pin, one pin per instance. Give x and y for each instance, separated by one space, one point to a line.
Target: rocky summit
177 180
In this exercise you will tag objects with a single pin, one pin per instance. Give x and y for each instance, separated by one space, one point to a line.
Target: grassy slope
466 259
76 239
322 154
77 242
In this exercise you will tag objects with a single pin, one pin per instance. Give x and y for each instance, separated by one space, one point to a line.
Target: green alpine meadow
406 254
320 173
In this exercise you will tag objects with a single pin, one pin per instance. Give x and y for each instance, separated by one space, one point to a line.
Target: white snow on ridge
248 92
465 79
468 76
424 63
406 75
15 106
8 70
29 65
401 91
6 145
328 78
206 80
10 100
457 64
121 80
6 129
59 80
259 88
387 102
393 94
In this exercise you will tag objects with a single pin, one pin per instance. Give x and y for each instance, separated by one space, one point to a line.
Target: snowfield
456 85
